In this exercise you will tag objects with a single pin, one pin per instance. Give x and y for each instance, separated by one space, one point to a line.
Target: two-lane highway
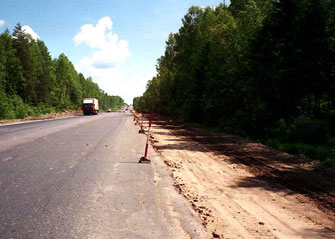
79 178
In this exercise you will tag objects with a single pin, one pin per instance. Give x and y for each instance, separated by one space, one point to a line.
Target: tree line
32 83
257 68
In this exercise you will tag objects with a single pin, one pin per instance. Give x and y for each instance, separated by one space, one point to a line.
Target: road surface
79 178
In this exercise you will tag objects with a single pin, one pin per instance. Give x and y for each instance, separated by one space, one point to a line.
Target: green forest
261 69
32 83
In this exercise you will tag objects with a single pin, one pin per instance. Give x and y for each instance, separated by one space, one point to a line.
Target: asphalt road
79 178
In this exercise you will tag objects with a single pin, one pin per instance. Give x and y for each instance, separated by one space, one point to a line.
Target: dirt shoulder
242 189
66 113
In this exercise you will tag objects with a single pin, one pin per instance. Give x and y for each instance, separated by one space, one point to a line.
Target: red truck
90 106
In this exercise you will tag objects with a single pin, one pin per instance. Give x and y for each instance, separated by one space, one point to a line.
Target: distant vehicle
109 110
90 106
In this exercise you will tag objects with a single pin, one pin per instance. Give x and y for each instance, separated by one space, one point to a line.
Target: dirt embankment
66 113
242 189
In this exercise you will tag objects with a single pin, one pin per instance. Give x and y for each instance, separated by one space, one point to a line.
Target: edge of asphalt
180 210
37 120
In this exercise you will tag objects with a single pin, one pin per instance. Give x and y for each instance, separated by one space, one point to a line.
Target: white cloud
95 36
2 22
109 53
110 50
28 29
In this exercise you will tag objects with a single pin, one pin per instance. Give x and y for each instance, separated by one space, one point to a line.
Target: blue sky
119 43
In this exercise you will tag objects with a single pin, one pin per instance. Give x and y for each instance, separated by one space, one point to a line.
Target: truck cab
90 106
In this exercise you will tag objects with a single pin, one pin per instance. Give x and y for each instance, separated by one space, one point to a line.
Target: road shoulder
233 197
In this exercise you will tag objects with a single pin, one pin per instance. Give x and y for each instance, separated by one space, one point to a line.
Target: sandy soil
66 113
242 189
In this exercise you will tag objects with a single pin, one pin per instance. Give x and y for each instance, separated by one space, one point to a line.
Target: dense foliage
31 83
258 68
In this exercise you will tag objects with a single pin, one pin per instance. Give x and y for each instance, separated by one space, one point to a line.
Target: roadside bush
331 156
36 111
240 123
229 126
41 108
19 107
51 110
30 110
280 132
310 131
6 107
313 152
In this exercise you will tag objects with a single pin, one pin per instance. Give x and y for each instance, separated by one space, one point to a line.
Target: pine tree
21 42
11 78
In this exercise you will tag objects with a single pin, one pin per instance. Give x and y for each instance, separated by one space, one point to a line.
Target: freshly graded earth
242 189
